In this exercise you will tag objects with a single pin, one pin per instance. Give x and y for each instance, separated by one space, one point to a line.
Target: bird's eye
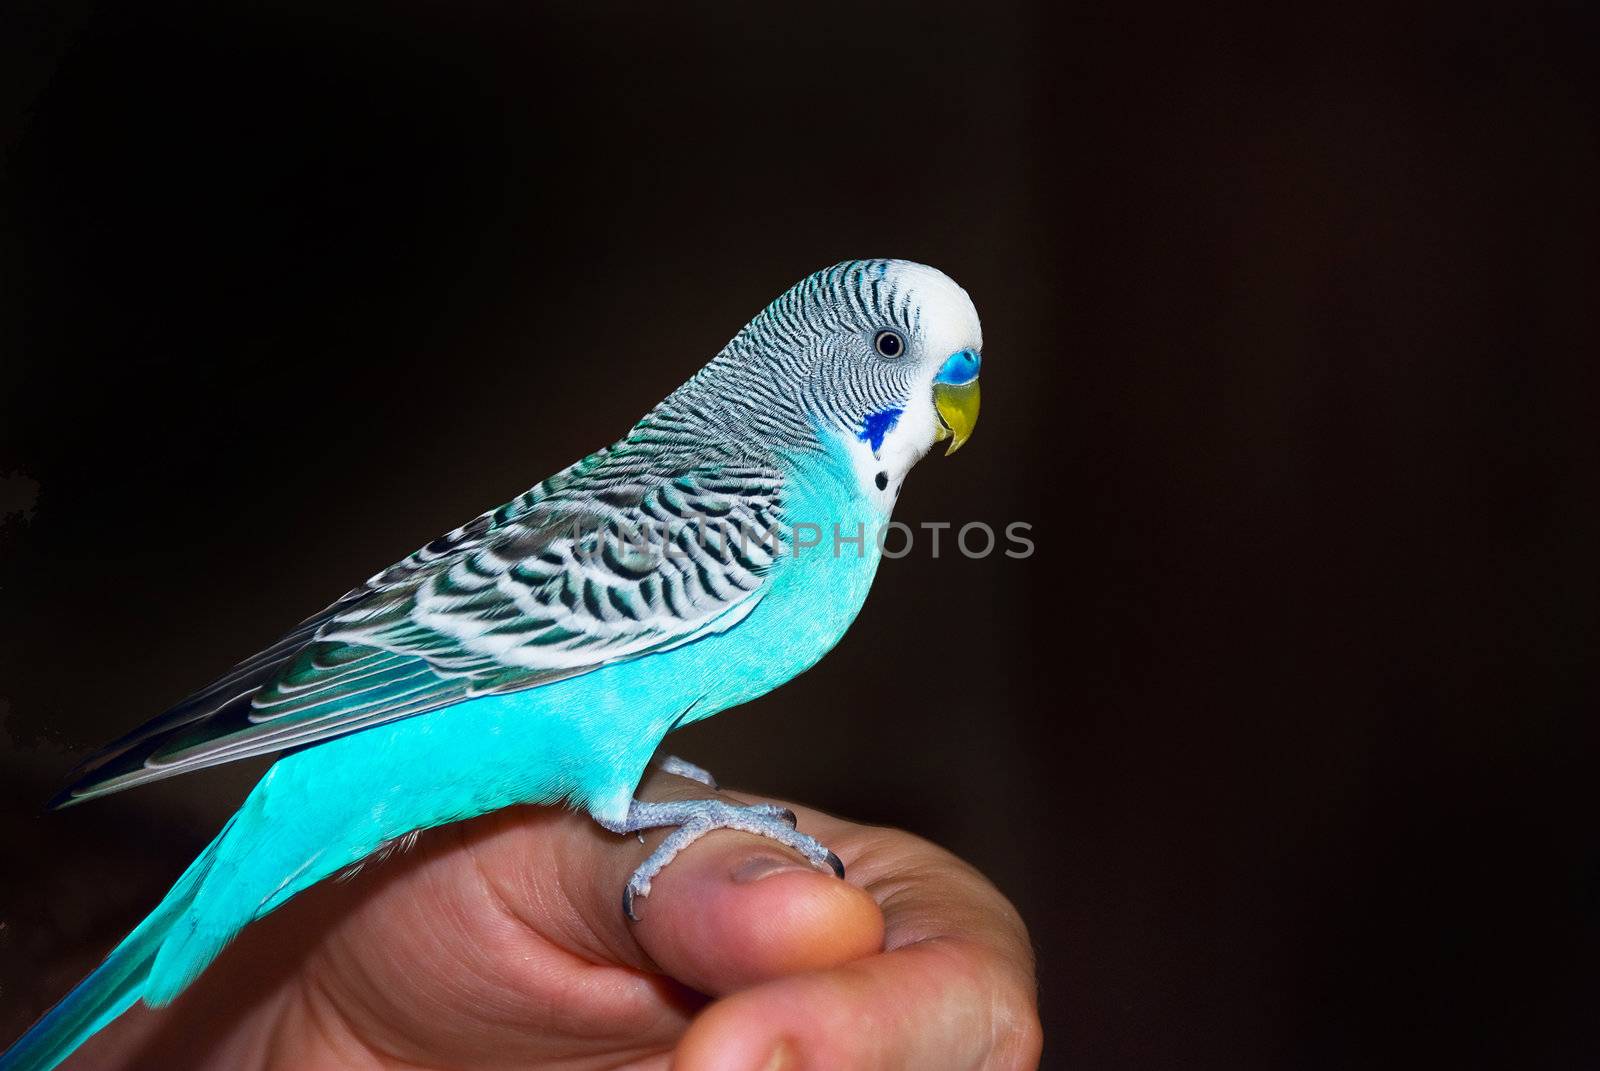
889 343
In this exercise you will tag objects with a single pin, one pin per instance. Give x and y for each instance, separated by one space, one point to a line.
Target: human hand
501 943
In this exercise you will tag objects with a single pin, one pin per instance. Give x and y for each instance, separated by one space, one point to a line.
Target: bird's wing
573 576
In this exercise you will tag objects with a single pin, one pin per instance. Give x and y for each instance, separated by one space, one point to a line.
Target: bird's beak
955 398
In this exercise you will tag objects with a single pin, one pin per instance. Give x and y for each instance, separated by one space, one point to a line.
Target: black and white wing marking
558 583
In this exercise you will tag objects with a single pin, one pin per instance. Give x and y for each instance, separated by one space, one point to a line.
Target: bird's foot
673 765
694 819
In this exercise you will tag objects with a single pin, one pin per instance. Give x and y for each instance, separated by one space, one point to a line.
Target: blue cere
961 368
877 425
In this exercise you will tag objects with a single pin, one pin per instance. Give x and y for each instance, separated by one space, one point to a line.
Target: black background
1282 742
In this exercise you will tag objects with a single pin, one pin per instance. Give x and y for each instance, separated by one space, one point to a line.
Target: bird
541 652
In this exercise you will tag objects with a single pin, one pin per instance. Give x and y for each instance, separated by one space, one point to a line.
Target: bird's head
886 354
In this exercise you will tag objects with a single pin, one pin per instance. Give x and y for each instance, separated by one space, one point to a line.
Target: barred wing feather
601 564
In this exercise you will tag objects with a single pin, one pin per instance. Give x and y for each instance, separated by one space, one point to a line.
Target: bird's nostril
960 367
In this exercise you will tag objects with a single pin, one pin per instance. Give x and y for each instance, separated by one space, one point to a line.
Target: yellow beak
957 405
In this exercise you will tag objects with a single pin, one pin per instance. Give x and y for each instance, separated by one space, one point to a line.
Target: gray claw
694 819
673 765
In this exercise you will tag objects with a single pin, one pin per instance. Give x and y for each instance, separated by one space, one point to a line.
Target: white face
947 324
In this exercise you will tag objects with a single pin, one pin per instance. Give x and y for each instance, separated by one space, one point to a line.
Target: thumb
733 909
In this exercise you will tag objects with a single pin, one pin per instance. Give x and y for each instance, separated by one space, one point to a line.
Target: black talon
837 864
627 903
790 817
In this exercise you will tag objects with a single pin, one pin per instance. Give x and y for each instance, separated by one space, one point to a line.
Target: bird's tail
112 988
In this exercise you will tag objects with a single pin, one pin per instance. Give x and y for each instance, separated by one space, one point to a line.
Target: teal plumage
541 653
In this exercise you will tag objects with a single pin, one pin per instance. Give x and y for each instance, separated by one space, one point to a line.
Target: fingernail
764 866
782 1058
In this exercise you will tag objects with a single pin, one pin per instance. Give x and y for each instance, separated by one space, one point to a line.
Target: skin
500 943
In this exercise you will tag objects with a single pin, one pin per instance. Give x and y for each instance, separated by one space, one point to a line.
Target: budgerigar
541 652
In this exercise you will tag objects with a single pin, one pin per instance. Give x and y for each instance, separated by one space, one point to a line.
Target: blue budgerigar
541 652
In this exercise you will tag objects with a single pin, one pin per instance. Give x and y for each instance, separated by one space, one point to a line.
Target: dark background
1282 742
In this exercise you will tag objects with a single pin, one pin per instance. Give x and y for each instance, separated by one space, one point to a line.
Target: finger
955 990
930 1005
732 910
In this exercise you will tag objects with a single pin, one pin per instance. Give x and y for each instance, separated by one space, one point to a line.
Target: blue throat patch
877 425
